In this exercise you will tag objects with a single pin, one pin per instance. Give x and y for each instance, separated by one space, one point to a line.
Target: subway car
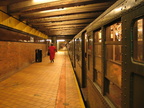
108 57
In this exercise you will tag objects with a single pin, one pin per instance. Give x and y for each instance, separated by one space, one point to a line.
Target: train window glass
113 74
78 50
114 93
85 42
138 33
89 62
113 32
98 50
113 53
90 42
97 58
98 36
90 47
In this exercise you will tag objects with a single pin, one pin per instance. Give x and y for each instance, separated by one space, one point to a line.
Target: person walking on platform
52 50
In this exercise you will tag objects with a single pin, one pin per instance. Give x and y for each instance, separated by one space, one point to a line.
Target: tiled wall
15 56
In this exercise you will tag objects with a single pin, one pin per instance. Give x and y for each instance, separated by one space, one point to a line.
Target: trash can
38 55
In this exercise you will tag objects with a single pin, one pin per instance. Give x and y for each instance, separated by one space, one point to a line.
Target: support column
54 41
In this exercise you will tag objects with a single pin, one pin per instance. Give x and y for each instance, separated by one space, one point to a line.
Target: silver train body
108 57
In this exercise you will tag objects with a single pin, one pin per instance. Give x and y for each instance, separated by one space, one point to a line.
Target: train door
90 56
73 54
84 59
84 65
97 55
133 59
113 62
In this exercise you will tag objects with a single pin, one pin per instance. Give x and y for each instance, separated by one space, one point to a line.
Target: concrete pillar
54 40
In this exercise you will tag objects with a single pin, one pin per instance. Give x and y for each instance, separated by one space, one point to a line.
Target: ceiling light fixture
53 10
61 40
43 1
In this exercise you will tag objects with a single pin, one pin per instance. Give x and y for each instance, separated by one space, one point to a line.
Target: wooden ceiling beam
63 22
61 26
66 32
61 29
87 21
9 2
100 7
65 27
28 6
65 18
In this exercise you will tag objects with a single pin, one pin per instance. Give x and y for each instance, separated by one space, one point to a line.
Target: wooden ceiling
60 18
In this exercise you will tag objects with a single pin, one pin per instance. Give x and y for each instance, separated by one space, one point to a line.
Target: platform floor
42 85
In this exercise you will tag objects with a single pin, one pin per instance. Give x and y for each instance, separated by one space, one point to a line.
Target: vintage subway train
108 57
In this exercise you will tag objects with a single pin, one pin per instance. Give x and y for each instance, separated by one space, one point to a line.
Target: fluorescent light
53 10
41 40
62 40
49 40
43 1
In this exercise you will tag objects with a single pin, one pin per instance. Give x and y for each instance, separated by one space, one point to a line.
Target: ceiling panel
59 18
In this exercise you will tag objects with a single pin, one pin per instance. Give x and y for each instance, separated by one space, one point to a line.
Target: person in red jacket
52 50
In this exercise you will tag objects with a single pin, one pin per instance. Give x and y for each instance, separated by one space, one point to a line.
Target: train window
114 32
97 58
78 50
97 36
90 47
90 42
85 44
138 32
113 61
114 53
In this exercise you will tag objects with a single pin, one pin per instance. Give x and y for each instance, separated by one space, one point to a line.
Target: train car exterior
71 52
109 57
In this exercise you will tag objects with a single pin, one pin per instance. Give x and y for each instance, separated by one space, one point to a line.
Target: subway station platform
42 85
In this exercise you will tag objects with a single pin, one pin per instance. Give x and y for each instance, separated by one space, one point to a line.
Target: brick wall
15 56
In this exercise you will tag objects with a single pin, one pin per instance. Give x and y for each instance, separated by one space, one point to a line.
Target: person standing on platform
52 50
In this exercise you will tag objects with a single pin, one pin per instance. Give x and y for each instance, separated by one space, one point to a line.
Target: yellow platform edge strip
80 95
